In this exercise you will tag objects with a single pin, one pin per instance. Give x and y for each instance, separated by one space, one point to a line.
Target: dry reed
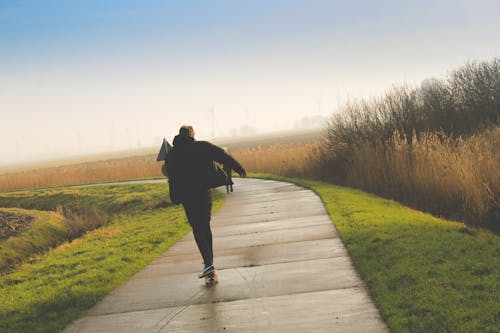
290 159
83 173
455 178
286 159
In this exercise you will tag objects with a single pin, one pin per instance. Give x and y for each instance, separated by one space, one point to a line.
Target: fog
82 77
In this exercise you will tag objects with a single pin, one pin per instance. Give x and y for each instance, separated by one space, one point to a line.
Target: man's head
187 130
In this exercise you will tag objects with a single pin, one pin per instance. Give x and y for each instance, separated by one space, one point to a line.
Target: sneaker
207 270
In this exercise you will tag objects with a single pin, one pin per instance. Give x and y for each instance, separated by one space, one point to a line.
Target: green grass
52 289
109 198
425 274
70 212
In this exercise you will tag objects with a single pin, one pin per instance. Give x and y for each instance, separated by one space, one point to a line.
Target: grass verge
53 288
425 274
62 214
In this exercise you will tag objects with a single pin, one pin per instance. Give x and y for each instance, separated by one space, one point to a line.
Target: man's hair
187 130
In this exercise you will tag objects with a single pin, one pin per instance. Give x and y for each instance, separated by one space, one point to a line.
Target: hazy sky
100 75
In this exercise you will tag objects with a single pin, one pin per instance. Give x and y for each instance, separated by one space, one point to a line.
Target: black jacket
190 163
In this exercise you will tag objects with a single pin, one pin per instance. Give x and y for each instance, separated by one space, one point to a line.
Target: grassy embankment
425 274
52 287
66 213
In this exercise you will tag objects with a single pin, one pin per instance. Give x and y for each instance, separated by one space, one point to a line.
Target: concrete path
281 265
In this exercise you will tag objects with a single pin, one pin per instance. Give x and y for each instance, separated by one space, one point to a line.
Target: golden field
123 166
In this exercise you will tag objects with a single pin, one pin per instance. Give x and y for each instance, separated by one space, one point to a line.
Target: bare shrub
468 101
475 91
434 146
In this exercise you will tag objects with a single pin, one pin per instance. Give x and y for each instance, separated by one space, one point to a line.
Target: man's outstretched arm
218 154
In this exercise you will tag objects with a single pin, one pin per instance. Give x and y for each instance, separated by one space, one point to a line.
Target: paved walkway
281 265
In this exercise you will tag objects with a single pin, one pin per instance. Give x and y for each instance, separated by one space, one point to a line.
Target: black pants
198 208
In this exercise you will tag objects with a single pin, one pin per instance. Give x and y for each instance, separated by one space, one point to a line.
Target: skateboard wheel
211 279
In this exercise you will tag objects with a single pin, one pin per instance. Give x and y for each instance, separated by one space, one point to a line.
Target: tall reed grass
285 159
459 178
83 173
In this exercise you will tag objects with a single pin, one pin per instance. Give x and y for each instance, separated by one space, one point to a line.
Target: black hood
181 140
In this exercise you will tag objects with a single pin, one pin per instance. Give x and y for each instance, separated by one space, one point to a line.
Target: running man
189 165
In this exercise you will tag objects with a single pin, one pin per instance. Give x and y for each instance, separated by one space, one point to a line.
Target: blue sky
78 77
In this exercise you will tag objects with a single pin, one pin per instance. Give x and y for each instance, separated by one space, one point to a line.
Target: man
190 165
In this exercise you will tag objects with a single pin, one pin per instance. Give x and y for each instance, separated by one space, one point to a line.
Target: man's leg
198 210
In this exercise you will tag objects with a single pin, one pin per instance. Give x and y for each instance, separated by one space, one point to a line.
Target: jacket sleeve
219 155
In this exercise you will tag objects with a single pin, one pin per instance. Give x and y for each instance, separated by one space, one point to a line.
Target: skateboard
211 279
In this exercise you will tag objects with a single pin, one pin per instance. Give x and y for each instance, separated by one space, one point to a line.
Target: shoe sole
206 273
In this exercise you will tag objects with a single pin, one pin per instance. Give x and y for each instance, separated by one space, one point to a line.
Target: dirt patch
11 223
